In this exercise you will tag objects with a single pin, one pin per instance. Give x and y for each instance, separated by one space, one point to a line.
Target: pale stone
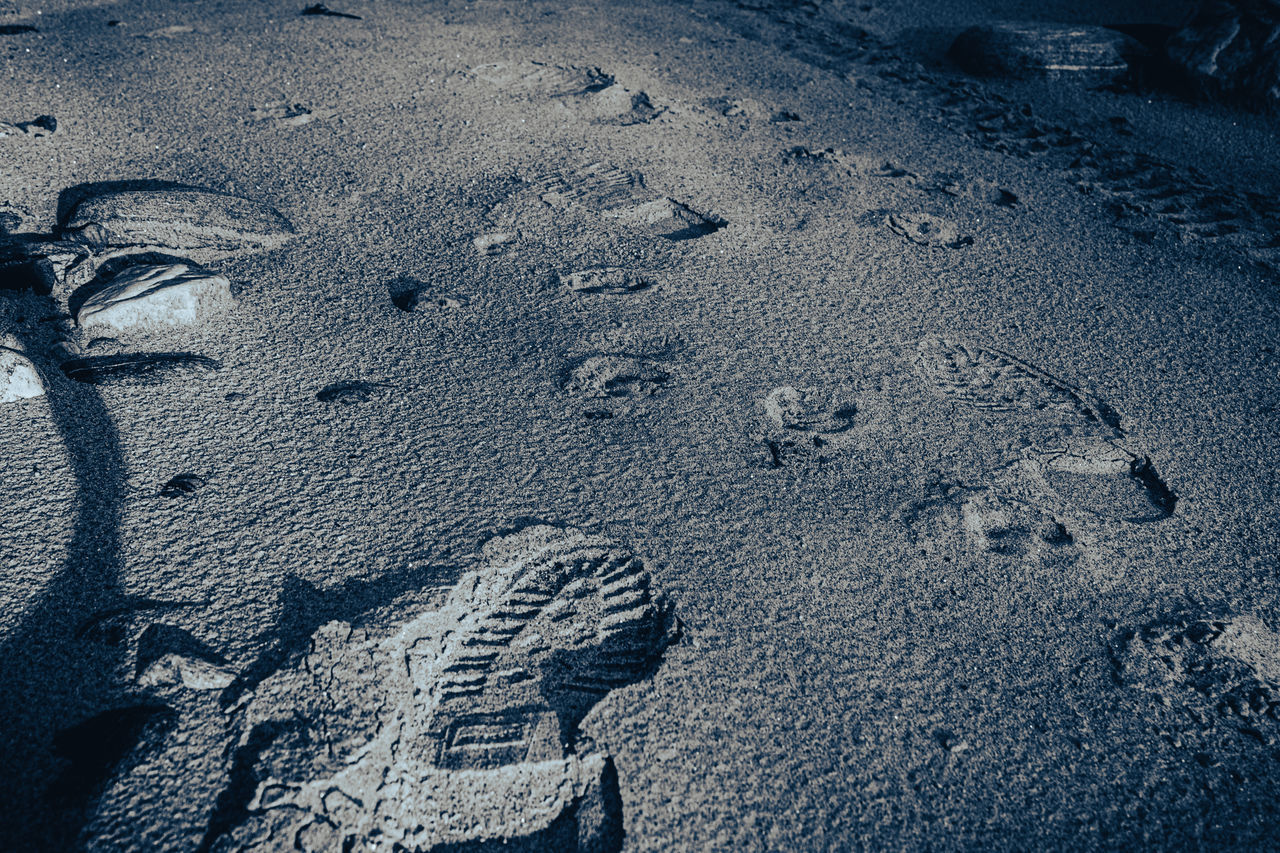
18 377
193 673
156 295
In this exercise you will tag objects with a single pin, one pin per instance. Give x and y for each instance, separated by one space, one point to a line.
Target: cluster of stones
157 239
1229 50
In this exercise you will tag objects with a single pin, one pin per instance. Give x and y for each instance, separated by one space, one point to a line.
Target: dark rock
1092 55
1230 51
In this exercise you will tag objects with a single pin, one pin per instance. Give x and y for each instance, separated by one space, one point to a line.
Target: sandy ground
905 622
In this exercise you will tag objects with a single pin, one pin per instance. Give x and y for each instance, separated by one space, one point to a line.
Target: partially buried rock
18 377
43 265
1231 50
1092 55
154 295
182 218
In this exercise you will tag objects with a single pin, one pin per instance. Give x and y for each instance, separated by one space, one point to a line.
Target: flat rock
1094 55
192 673
1230 50
18 377
179 218
156 295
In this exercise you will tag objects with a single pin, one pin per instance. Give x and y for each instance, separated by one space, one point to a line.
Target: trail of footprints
462 725
1147 195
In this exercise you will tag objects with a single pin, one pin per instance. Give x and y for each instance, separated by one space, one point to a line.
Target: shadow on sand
50 677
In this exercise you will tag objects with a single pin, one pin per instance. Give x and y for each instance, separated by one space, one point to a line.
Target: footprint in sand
175 219
542 79
608 195
1226 668
802 422
925 229
289 115
42 125
606 375
352 391
410 295
970 189
596 186
455 728
168 32
494 242
750 108
323 11
1080 470
995 381
1105 479
618 105
606 280
997 520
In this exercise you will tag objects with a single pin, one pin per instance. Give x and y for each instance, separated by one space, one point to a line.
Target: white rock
151 295
195 674
494 242
18 377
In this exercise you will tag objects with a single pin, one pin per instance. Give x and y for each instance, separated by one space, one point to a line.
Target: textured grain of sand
918 608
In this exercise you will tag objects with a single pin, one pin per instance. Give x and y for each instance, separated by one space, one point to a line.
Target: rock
493 243
191 672
18 377
1230 50
175 218
43 265
613 280
156 295
1092 55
